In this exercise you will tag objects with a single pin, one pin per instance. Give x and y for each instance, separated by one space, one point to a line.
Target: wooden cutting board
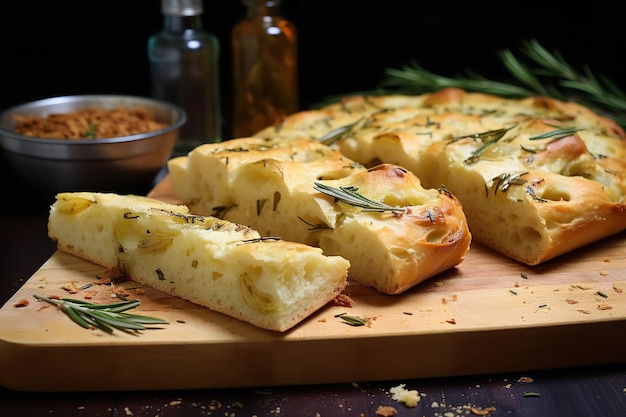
487 315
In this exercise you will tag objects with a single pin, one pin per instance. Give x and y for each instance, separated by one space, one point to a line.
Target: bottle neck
179 24
257 8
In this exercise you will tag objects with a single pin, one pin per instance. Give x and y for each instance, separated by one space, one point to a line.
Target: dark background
75 47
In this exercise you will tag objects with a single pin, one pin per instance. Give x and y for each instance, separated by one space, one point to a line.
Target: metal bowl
127 164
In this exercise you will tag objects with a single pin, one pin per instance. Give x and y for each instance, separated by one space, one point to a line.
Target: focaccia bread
271 283
537 177
274 187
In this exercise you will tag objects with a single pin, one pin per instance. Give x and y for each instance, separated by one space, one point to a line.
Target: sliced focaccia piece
421 233
537 177
227 267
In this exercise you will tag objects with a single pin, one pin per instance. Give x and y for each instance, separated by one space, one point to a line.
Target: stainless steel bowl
128 164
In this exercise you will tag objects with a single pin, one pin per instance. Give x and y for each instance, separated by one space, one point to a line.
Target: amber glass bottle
265 66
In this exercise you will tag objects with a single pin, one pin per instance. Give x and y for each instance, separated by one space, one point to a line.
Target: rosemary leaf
352 320
490 136
113 307
336 134
115 320
487 138
320 226
521 72
77 318
102 325
558 133
350 195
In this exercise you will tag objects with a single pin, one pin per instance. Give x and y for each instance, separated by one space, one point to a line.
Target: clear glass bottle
265 66
184 68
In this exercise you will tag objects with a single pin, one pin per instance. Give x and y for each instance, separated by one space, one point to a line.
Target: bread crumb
71 288
22 303
409 397
483 411
90 295
616 288
525 379
118 291
343 300
604 307
386 411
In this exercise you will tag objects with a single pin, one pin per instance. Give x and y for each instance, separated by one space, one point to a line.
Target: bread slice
276 193
537 177
227 267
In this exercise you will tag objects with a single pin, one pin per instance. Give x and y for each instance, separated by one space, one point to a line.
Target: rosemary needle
106 317
350 195
558 133
352 320
335 134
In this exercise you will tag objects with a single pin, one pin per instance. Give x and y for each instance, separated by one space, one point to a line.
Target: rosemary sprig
106 317
547 74
415 79
350 195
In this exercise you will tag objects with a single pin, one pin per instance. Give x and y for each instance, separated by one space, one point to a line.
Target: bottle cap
181 7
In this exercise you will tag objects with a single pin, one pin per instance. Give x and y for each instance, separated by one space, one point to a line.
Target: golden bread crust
527 196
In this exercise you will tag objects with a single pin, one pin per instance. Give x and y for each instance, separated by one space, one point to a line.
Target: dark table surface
589 391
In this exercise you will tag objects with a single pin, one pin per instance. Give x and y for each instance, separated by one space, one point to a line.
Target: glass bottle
184 71
265 81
